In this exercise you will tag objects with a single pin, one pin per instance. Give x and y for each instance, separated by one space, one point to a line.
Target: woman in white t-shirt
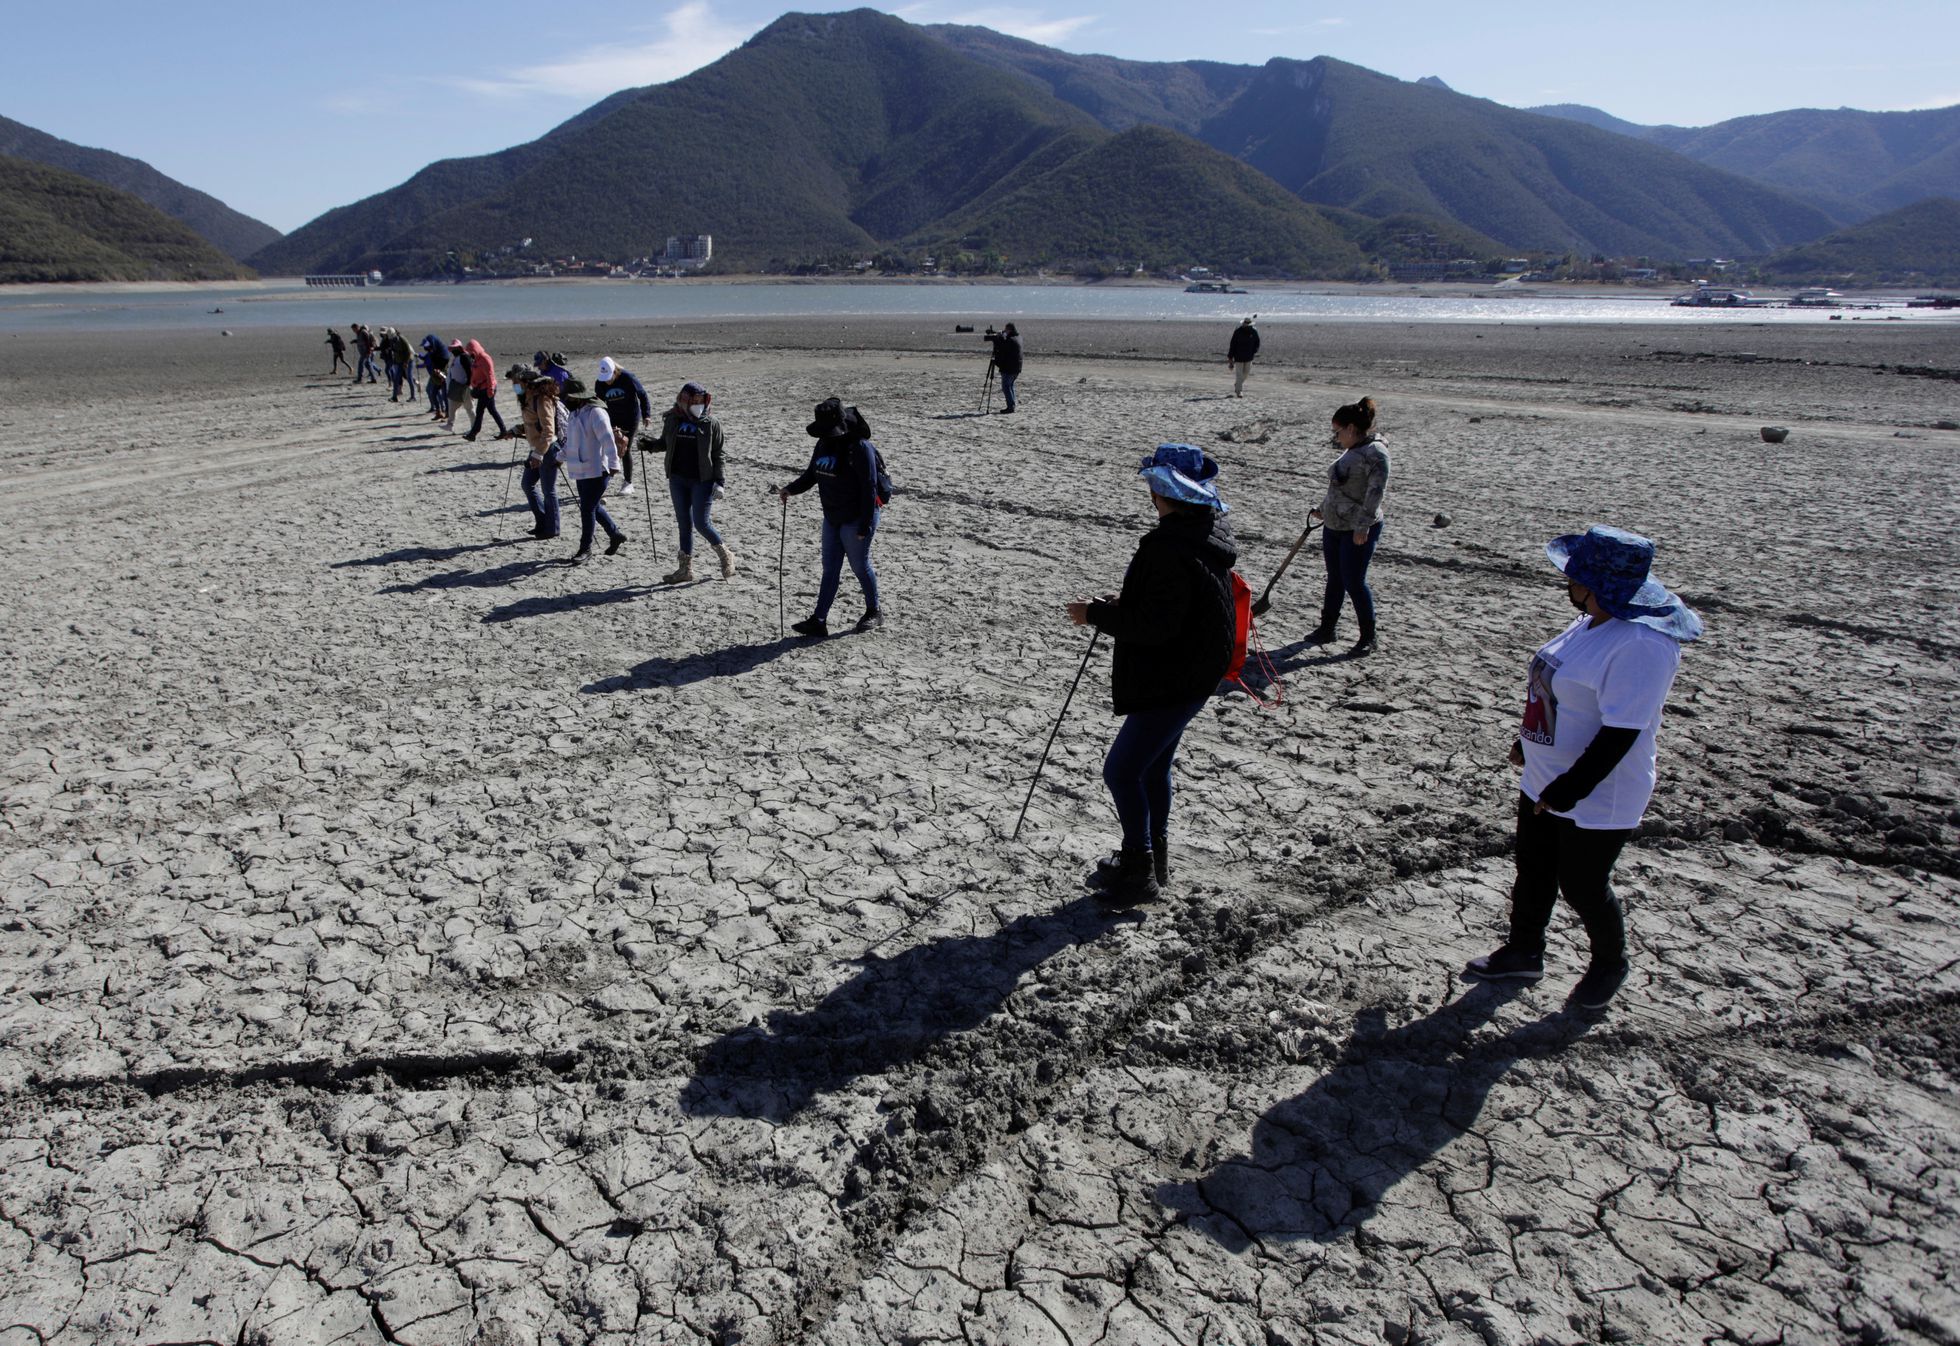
1593 703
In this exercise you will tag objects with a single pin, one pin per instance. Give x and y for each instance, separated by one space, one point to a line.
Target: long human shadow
408 555
546 605
493 578
961 416
661 671
888 1014
1321 1162
500 465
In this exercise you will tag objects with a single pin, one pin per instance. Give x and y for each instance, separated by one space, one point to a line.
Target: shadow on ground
665 672
407 555
1321 1162
546 605
493 578
888 1015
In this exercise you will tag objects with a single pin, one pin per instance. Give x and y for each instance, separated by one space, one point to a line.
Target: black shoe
1322 636
469 434
1597 988
618 541
1363 647
1108 867
1132 880
870 621
1007 411
815 627
1505 963
579 558
1160 851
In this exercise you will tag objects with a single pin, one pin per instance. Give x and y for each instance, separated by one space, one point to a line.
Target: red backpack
1245 637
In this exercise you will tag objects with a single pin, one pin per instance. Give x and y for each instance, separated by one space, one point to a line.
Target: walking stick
1265 603
653 543
782 550
1093 638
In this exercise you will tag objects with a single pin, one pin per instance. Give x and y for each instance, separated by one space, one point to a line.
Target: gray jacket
1354 487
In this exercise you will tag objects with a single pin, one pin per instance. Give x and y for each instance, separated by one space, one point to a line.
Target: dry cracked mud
407 938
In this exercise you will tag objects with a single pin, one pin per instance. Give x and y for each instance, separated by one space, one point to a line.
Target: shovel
1264 604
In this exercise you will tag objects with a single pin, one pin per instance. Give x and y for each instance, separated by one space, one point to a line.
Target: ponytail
1360 415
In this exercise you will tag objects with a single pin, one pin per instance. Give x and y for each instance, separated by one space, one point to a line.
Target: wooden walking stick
1265 603
782 551
1094 636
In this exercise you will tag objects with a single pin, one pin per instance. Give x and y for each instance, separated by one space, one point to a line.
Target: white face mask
697 409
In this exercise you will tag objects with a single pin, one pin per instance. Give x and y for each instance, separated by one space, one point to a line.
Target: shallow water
420 308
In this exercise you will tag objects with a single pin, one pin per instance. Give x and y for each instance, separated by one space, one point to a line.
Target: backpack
883 479
1245 638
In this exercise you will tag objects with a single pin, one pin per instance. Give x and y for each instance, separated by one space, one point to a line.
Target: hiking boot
1160 852
1132 880
727 561
814 627
1322 635
1597 988
870 621
1507 964
618 541
682 573
578 558
1366 644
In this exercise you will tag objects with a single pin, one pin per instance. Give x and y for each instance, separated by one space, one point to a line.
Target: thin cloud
694 37
1930 104
1028 24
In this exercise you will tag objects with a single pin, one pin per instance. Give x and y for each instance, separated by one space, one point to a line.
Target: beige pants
1240 369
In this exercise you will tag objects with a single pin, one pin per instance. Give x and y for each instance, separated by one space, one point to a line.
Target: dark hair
1360 415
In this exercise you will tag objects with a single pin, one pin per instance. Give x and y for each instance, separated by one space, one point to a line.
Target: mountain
1339 135
821 134
1919 243
1153 196
60 226
1855 164
225 229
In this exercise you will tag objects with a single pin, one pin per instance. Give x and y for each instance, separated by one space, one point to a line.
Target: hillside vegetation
60 226
1919 243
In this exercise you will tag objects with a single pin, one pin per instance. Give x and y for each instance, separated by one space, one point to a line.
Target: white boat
1816 296
1713 296
1212 287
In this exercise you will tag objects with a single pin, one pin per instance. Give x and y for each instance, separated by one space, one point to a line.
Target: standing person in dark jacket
1174 628
627 404
1007 359
435 363
1239 354
844 469
364 348
691 440
339 351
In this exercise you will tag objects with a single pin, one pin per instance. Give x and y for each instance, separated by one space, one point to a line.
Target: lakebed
411 938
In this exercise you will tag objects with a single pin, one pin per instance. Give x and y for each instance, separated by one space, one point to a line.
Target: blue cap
1184 472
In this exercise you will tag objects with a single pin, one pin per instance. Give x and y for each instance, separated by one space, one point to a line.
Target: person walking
406 355
459 382
435 367
364 349
483 390
1351 513
1007 360
591 457
627 404
1587 747
844 469
691 440
1239 353
1174 627
391 363
339 344
539 413
554 365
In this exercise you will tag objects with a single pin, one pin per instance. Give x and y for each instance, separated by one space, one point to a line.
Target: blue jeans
1007 386
841 540
590 511
1138 770
486 402
1347 574
366 367
692 501
544 504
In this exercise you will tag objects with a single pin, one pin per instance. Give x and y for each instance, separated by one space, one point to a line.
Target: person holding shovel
1174 629
1352 513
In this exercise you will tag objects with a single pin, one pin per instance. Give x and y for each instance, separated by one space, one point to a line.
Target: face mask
697 409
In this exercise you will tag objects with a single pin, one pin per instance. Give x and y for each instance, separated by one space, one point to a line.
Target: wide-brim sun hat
1186 473
1614 564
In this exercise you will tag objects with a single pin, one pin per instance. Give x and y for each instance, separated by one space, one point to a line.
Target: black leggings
1555 856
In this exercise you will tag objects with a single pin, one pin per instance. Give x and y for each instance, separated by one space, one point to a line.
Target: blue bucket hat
1184 472
1613 563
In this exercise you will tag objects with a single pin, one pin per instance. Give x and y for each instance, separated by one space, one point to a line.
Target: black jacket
1245 344
1007 353
845 472
1173 624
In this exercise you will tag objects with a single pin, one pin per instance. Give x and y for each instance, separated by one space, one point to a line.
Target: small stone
1946 425
1775 434
1442 521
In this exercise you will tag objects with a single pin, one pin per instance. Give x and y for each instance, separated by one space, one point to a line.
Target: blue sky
286 110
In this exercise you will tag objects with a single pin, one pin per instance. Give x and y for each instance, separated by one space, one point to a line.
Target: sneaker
618 541
1507 964
627 489
870 621
1597 988
815 627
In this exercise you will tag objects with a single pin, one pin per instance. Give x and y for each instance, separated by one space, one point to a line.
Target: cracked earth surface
409 939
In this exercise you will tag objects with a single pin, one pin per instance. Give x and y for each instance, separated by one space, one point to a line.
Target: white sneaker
627 489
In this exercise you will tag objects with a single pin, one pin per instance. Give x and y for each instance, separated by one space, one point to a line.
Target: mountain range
845 134
60 226
232 233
